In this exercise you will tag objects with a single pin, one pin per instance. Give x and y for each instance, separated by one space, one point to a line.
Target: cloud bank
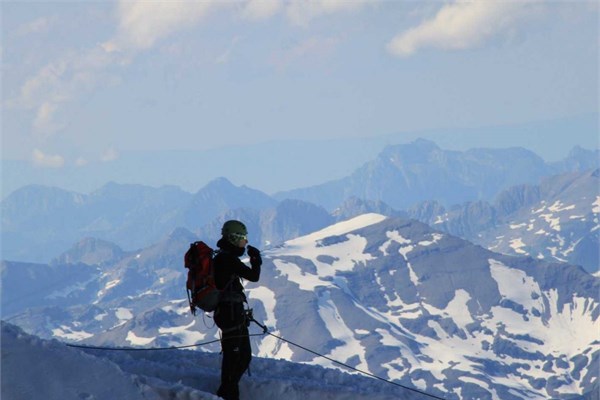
41 159
140 25
459 26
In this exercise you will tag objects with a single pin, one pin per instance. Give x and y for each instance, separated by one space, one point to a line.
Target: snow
346 254
66 332
58 372
596 205
137 340
554 222
558 207
185 334
109 285
180 307
407 247
440 220
340 228
517 245
100 317
515 285
518 226
62 372
295 274
457 306
123 314
339 330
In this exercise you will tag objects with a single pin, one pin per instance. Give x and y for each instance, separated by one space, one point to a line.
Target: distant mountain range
404 175
452 191
388 295
286 164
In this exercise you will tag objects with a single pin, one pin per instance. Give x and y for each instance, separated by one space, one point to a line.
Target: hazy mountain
354 206
557 219
220 196
271 226
404 175
27 285
387 295
91 251
282 165
39 223
578 160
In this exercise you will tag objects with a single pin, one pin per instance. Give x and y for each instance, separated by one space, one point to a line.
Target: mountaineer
230 315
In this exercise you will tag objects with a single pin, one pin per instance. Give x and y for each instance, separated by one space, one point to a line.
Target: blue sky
88 82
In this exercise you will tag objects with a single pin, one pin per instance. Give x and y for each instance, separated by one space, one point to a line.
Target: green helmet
234 231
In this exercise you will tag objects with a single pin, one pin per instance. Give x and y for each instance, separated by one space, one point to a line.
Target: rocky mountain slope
387 295
557 219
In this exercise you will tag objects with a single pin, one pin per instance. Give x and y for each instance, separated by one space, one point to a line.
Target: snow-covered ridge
337 229
61 372
527 317
394 298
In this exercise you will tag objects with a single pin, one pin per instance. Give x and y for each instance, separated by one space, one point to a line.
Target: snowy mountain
556 220
407 174
64 373
564 225
389 296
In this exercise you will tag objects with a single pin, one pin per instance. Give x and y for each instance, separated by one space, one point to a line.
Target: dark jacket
229 269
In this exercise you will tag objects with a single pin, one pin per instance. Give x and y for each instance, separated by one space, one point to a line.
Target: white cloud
80 162
44 122
142 23
46 160
315 47
61 81
226 55
39 25
459 26
261 9
110 154
301 12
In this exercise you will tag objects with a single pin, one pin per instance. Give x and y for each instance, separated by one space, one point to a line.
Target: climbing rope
355 369
81 346
265 332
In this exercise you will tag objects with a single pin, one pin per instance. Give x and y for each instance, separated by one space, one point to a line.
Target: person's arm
252 274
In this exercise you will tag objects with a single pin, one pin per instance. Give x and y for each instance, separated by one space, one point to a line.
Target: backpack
201 288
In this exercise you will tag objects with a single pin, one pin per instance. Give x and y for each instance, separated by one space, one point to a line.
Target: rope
265 332
80 346
356 369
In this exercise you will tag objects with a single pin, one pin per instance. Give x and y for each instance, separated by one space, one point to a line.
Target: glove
253 251
254 254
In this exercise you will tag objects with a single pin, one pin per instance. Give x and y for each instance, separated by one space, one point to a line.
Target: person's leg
229 366
245 354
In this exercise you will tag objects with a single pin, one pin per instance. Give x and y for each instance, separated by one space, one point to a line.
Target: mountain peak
91 251
219 183
420 146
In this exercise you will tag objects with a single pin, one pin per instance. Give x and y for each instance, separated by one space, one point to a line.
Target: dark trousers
237 352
